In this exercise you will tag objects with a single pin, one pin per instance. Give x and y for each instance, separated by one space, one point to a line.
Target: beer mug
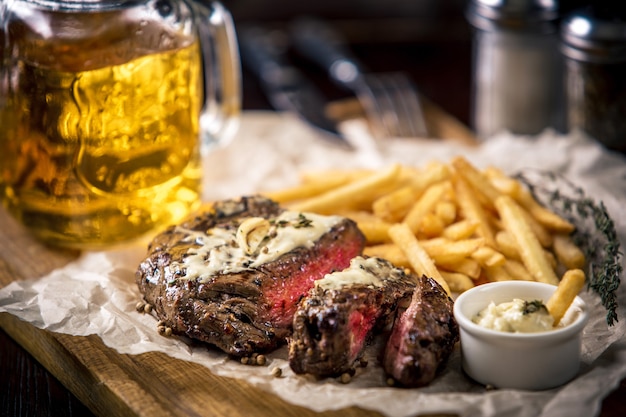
106 107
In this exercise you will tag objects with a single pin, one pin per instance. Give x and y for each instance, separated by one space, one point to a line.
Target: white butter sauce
517 316
220 249
362 271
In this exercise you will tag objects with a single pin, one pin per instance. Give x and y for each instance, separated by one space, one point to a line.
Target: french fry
431 226
488 256
394 206
425 204
497 274
543 215
502 182
505 243
551 258
374 229
440 251
507 246
472 210
421 263
446 211
433 173
306 190
572 282
346 175
478 181
517 270
445 251
346 196
462 229
466 266
457 281
529 247
567 253
389 251
542 234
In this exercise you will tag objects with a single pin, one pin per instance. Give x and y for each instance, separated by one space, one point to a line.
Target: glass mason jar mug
105 107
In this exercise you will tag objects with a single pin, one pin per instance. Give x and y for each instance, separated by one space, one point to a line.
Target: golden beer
98 149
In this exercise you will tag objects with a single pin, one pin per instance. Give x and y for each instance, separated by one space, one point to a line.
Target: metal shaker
517 68
594 46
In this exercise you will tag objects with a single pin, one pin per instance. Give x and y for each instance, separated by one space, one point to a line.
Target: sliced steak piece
423 336
334 322
232 277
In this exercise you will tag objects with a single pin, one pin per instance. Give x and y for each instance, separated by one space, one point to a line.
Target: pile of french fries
451 221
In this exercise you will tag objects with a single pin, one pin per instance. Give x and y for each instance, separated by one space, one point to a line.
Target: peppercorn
345 378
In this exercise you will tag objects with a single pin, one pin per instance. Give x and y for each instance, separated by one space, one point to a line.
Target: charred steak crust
243 312
423 336
333 325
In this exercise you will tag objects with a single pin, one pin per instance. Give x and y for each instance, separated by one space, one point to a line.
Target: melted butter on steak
370 272
242 300
219 250
343 311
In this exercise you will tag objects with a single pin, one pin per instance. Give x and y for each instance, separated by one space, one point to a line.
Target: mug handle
219 119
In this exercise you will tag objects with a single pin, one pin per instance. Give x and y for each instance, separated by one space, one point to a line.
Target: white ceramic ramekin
528 361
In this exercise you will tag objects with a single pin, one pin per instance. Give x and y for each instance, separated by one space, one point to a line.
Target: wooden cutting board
151 384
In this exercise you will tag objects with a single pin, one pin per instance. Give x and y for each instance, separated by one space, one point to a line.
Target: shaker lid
595 33
84 5
521 15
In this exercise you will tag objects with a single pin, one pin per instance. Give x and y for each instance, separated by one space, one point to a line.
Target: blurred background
428 39
431 40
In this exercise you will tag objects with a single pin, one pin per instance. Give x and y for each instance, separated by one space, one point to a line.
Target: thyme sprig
595 232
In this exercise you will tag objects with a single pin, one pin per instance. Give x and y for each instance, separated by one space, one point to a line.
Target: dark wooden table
432 45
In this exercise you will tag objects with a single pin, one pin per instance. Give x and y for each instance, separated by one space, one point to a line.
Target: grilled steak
232 277
423 336
334 322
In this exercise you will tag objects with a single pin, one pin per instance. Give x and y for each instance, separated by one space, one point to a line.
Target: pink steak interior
285 293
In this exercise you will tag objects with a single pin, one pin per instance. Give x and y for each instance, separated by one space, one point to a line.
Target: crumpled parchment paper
96 294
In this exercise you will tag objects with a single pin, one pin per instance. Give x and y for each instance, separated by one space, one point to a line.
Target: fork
390 100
